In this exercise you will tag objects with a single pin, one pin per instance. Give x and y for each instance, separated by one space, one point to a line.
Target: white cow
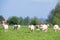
44 27
5 27
31 27
56 27
16 27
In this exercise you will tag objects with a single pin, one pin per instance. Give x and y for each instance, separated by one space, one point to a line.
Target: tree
54 16
35 21
1 18
26 20
21 21
13 20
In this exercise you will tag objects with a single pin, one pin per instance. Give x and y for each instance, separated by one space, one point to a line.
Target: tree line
22 21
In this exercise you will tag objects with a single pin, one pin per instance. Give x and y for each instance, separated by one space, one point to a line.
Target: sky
23 8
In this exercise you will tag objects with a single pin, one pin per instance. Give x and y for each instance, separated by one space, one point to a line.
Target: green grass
24 34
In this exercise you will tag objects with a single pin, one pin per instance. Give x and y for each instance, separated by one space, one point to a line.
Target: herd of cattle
42 27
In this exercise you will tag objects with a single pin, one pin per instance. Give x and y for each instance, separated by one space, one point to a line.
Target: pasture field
24 34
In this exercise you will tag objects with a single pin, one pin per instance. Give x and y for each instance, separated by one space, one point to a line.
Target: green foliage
26 20
13 20
21 21
35 21
54 16
1 18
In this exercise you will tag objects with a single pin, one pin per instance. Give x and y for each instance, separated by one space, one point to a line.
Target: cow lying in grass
16 27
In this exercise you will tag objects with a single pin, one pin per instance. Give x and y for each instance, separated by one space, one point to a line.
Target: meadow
24 34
